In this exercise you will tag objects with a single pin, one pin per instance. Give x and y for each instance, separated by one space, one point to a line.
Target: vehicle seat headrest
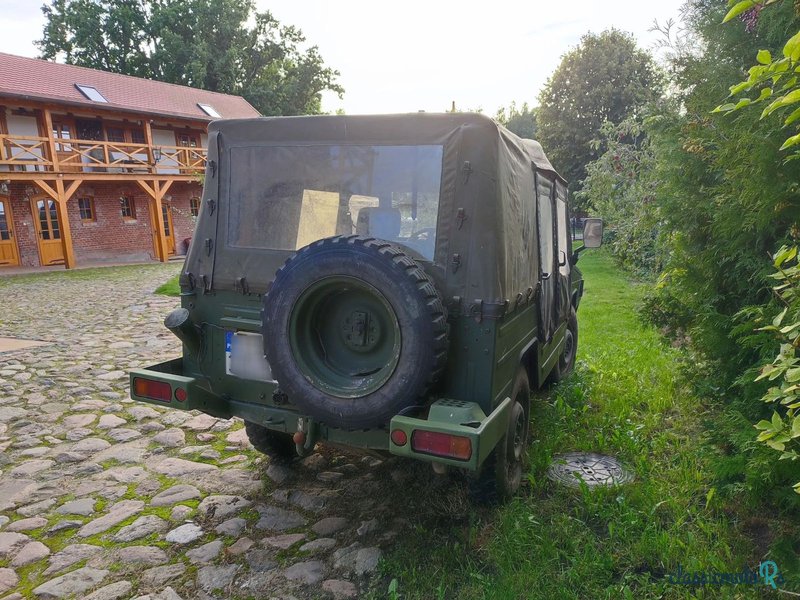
382 223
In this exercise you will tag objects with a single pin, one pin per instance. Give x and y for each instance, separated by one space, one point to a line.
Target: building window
91 93
128 208
86 208
5 232
61 132
137 136
209 110
115 134
194 206
187 140
124 133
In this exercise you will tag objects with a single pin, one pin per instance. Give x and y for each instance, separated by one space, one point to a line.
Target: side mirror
593 233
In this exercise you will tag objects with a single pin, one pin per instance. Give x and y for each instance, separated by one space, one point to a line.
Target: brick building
99 167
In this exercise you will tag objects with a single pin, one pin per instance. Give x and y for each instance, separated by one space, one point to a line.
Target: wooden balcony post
63 221
51 143
157 218
160 192
148 138
163 255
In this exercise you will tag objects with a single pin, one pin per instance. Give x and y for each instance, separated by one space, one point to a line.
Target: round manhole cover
594 469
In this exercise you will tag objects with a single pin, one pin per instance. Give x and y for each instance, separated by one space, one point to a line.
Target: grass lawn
91 274
170 288
553 542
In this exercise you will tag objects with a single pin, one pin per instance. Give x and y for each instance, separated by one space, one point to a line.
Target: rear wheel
278 446
501 476
566 362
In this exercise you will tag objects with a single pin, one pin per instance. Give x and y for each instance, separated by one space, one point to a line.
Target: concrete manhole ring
594 469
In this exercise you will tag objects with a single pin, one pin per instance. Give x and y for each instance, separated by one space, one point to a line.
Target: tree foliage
521 121
218 45
714 201
775 82
620 186
771 81
782 431
605 78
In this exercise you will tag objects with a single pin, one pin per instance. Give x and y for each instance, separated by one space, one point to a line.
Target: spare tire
354 331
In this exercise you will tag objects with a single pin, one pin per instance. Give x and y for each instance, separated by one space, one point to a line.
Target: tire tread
406 267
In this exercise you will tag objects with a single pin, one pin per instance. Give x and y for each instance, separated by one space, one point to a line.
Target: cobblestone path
104 498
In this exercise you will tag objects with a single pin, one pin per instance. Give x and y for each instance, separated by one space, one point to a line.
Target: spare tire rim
345 336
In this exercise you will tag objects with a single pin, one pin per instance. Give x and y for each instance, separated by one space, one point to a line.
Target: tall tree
605 78
219 45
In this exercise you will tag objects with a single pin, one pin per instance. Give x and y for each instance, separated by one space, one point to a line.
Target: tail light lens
441 444
155 390
399 437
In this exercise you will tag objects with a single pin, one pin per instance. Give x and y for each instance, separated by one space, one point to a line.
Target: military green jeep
392 283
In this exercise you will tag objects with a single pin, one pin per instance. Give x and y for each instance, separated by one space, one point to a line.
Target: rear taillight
441 444
155 390
399 437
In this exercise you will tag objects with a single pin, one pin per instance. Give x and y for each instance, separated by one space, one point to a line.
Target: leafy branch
782 432
775 79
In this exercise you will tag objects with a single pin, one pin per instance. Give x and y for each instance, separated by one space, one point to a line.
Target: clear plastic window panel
546 237
286 197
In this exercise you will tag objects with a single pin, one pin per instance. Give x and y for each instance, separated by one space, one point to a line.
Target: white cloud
423 54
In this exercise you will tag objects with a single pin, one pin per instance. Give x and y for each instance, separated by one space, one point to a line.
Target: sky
425 54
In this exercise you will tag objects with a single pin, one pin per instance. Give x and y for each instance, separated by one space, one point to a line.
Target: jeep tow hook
305 438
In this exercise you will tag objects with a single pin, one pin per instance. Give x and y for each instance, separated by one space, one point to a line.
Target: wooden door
189 153
9 256
169 233
48 230
69 160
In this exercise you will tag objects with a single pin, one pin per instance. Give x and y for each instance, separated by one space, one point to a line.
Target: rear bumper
462 421
191 393
170 372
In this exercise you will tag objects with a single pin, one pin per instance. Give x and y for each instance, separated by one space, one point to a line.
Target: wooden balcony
59 166
42 155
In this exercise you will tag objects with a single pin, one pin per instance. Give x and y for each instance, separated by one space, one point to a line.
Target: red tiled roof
36 79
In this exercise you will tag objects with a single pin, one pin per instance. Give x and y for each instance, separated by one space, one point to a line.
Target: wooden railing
28 153
183 158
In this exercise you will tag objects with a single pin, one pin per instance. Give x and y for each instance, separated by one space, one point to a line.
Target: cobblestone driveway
104 498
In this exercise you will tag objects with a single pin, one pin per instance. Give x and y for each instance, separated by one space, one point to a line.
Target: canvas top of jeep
438 184
390 282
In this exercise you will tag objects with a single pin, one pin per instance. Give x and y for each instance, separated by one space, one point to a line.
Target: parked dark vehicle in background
396 283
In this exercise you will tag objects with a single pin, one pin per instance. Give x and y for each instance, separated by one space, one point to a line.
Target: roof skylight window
209 110
91 93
